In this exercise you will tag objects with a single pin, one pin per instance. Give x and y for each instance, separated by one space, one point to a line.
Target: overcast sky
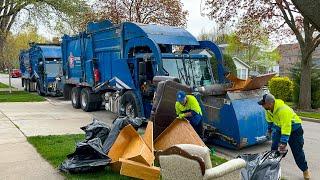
196 22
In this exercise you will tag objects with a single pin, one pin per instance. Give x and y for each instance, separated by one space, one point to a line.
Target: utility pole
10 90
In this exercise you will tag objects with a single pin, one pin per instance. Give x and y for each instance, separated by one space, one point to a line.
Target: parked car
15 73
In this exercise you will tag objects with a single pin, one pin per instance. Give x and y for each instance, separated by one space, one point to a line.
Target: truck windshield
52 70
196 72
175 69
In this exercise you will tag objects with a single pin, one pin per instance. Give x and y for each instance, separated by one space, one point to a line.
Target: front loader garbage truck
116 64
41 69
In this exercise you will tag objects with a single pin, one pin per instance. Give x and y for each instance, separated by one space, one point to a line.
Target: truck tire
67 92
89 100
39 90
75 97
129 105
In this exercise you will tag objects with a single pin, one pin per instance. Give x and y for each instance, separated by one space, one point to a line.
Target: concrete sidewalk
18 159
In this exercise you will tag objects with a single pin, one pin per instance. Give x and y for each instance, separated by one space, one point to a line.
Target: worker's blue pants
296 142
196 122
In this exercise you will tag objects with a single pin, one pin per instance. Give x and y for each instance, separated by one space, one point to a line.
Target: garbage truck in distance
118 64
41 69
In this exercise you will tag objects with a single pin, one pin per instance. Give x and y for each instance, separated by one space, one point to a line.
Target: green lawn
2 85
19 96
315 115
309 114
55 149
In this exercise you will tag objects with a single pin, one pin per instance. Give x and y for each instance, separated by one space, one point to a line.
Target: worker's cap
180 96
267 98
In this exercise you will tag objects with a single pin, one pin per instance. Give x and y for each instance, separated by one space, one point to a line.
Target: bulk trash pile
91 153
123 149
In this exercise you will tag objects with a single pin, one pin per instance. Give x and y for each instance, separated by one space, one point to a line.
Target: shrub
281 88
228 65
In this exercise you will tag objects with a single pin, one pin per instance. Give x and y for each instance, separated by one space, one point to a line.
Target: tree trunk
305 81
2 41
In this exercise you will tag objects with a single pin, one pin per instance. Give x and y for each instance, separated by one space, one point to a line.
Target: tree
15 43
228 64
166 12
19 12
282 19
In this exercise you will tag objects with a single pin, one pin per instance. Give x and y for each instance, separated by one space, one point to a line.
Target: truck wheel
129 105
98 105
75 97
39 90
67 91
88 100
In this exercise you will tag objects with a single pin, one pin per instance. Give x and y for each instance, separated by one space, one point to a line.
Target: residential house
242 68
290 55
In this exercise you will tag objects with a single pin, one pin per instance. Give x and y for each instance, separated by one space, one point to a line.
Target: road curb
310 119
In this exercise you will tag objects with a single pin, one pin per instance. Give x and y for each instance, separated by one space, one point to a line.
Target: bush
281 88
228 65
315 85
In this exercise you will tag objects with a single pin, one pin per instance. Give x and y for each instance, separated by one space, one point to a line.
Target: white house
242 68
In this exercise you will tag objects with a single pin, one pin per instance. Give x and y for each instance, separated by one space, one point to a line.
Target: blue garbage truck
116 64
41 69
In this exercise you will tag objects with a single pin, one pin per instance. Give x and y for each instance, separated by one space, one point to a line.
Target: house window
242 73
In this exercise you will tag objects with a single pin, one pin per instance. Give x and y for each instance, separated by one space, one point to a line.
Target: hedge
281 88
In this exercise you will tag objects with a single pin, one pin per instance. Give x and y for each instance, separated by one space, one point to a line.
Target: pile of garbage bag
91 153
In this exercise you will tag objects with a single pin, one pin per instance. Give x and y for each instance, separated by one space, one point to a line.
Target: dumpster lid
159 33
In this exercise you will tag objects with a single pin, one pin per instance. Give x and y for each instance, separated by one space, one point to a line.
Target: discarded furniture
138 170
132 155
249 84
163 110
148 136
179 131
130 145
192 162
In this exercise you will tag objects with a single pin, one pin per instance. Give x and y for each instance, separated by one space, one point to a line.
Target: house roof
241 62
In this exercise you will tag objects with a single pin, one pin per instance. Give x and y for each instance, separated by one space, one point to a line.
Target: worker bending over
187 107
285 126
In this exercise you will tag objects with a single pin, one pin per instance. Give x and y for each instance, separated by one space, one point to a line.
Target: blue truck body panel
41 64
116 51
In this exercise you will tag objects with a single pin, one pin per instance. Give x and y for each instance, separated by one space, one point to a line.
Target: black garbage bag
96 129
88 157
262 166
118 125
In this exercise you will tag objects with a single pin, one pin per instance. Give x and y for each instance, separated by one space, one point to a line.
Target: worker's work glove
181 116
282 148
